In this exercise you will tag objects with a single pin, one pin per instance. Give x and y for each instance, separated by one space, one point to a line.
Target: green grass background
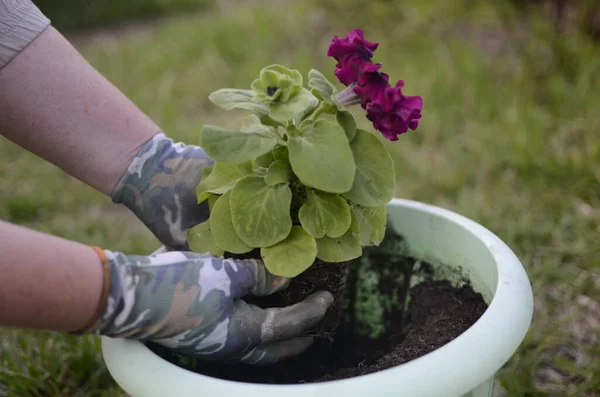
510 137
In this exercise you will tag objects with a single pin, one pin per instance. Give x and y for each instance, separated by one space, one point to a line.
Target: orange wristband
105 290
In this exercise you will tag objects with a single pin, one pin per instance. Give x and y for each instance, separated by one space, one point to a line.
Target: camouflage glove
191 303
159 186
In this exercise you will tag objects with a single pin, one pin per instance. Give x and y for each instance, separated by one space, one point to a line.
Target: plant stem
280 137
320 109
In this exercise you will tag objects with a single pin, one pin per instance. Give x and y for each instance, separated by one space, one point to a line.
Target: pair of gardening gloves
191 302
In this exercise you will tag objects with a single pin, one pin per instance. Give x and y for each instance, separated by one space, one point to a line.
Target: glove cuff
144 165
117 301
106 286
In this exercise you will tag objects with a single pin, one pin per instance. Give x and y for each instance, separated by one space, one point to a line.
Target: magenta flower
353 54
393 113
371 85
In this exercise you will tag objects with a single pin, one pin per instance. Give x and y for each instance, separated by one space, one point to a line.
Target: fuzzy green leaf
373 184
279 172
321 157
265 160
222 229
318 82
252 123
372 222
222 178
206 171
261 213
298 104
230 146
268 121
230 98
212 199
292 256
346 120
276 83
325 214
281 153
340 249
201 239
312 105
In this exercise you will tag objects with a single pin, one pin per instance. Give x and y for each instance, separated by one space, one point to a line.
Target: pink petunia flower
353 54
371 85
393 113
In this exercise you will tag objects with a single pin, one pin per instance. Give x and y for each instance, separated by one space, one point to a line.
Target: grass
510 138
77 15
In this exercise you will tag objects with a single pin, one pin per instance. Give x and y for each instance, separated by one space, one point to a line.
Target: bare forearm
56 105
46 282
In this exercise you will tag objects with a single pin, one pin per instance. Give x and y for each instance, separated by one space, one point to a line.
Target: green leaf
201 239
266 120
321 157
346 120
325 214
252 123
261 213
312 105
340 249
298 104
292 256
318 82
316 94
372 222
279 172
272 74
276 83
222 229
206 171
374 180
212 199
230 98
305 126
265 160
229 146
281 153
223 177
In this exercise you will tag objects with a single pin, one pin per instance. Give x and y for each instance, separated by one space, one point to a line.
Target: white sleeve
20 23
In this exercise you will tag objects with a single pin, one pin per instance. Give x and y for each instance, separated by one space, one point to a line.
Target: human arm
56 105
191 303
56 286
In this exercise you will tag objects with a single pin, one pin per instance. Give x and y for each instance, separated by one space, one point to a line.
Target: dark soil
437 313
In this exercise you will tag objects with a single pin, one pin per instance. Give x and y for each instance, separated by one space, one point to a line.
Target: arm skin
57 106
56 286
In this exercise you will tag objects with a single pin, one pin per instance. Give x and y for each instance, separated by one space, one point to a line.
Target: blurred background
510 137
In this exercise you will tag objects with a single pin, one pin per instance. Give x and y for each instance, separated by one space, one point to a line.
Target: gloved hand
159 186
191 303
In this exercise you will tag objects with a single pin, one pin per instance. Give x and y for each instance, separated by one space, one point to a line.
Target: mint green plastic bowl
464 367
